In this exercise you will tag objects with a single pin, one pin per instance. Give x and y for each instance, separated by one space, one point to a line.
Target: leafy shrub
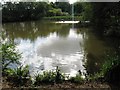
111 70
9 55
46 77
19 76
77 79
49 77
95 77
111 62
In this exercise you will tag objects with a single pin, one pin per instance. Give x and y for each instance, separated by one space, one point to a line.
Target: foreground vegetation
20 75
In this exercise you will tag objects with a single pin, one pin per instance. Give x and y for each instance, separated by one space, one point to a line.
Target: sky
71 1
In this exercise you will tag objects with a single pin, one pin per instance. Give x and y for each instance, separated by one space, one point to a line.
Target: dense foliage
49 77
24 11
19 76
107 16
110 69
9 55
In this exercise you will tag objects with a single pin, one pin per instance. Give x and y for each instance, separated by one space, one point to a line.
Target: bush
19 76
96 77
49 77
9 55
46 77
77 79
111 62
55 12
110 70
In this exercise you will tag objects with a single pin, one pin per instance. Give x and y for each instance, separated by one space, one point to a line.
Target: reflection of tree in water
31 30
93 64
97 48
64 31
94 50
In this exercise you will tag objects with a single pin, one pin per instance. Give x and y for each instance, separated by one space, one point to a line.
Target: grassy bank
53 18
65 18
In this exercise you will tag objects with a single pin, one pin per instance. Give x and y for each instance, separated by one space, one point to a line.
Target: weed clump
49 77
19 76
110 69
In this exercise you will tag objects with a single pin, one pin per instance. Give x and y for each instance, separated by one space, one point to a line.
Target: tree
78 8
106 15
55 12
87 11
22 11
64 6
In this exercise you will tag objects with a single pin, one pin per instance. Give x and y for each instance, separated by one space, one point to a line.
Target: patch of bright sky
71 1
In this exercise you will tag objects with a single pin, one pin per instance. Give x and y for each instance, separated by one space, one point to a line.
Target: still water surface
45 45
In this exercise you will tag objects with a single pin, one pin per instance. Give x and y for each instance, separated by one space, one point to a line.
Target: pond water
46 45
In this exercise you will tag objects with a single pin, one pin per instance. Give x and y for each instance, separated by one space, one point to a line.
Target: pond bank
65 18
64 85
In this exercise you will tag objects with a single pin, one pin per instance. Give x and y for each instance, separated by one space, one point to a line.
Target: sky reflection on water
45 45
51 51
